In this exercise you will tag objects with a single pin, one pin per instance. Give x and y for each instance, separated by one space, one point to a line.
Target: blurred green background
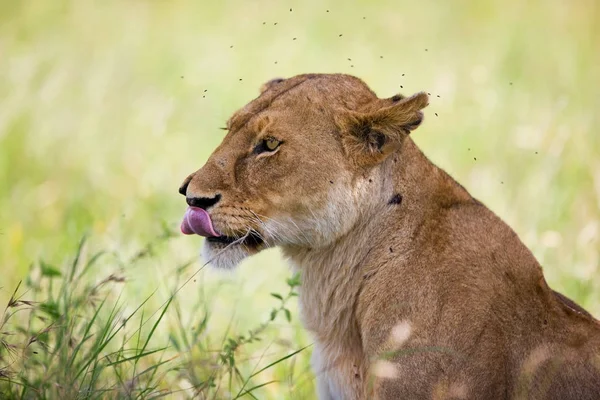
105 106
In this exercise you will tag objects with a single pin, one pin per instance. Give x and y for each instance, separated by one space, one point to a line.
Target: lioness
412 288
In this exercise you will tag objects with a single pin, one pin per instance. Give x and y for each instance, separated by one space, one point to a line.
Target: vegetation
80 341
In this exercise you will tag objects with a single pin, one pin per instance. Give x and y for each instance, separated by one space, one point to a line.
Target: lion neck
332 276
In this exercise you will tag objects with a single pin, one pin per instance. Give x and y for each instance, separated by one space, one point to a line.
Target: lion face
293 167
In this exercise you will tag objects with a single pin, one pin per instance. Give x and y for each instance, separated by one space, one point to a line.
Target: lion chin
222 256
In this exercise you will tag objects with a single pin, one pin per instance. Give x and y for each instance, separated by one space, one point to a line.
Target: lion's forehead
327 91
268 99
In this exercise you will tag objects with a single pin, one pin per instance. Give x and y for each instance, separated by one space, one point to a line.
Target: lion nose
203 202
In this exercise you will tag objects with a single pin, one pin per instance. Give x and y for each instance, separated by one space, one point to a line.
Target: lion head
294 167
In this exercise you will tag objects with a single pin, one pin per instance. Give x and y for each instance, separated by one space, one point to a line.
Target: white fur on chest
337 378
327 310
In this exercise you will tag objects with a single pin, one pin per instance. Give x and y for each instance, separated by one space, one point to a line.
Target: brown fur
412 288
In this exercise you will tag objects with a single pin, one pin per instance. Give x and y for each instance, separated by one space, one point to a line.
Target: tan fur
411 287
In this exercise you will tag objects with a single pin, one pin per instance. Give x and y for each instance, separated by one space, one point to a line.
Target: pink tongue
197 221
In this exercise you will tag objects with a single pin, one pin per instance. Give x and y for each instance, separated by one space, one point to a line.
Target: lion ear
370 136
268 85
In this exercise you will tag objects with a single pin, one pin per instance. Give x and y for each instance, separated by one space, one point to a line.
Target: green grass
106 106
79 340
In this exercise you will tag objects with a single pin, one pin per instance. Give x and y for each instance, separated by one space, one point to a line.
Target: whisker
298 233
272 232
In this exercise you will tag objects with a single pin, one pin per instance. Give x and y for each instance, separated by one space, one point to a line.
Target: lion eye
268 144
271 144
